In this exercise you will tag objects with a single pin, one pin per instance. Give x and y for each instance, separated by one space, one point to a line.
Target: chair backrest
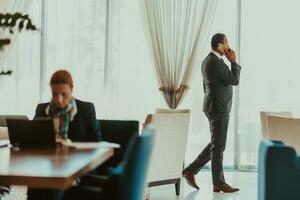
171 131
285 129
278 172
3 118
3 124
133 178
119 131
264 122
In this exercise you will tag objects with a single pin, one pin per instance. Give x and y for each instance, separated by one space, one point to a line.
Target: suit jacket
218 80
84 127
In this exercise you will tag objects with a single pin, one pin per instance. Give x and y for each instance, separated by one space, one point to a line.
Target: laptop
31 133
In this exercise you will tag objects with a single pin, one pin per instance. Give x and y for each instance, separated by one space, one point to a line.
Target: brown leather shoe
225 188
190 178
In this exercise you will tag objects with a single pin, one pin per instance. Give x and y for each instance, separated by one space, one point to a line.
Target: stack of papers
91 145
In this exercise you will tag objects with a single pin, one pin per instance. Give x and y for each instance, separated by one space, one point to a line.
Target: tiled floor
246 181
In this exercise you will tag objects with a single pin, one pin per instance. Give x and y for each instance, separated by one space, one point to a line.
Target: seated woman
73 119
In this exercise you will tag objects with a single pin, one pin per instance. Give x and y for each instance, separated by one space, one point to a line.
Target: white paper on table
91 145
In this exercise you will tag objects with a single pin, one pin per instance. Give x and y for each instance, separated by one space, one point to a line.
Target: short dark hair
62 77
216 39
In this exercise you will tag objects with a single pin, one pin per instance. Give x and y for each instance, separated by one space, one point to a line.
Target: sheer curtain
19 92
177 31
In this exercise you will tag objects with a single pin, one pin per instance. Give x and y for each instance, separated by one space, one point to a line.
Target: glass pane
75 41
137 91
271 68
20 91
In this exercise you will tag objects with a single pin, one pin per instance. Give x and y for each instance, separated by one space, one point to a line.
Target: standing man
218 80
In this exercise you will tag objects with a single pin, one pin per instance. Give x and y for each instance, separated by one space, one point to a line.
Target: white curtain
177 31
11 6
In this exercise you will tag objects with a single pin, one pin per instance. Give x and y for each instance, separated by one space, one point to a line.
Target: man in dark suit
218 82
73 120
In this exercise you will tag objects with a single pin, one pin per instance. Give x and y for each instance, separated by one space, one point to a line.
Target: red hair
62 77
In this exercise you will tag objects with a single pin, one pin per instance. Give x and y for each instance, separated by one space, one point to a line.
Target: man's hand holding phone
230 55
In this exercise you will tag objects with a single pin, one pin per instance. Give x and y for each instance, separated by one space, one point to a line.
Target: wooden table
48 168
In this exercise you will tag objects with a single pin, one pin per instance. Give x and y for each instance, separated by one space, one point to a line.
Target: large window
103 44
269 57
75 40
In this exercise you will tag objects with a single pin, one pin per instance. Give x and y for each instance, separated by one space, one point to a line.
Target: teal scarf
65 116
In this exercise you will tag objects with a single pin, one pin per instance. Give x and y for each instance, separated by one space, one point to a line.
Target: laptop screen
31 133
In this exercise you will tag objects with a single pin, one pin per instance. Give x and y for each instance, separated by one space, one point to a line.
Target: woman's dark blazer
84 127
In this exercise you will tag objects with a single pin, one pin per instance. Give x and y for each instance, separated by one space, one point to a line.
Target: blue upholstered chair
133 180
127 181
279 172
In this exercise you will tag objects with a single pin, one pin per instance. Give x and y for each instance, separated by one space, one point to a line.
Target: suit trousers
218 123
